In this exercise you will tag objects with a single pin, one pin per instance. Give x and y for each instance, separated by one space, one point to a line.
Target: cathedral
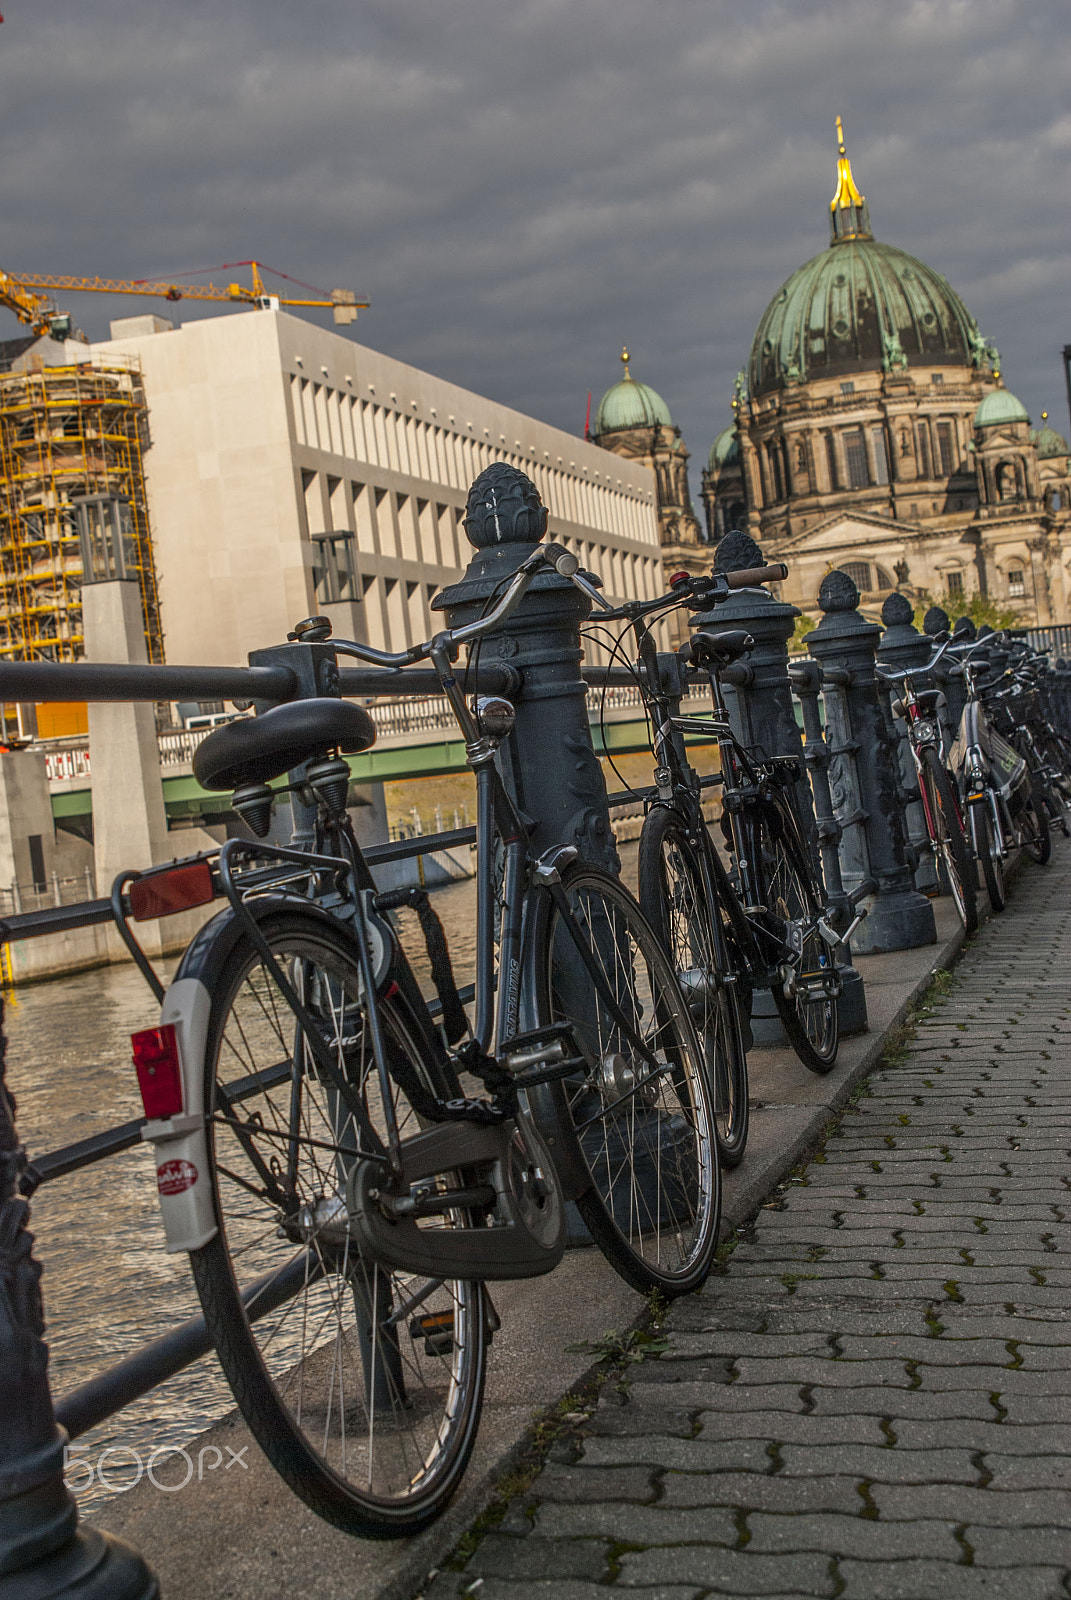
872 431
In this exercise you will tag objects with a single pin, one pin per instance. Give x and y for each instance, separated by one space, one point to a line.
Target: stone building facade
873 432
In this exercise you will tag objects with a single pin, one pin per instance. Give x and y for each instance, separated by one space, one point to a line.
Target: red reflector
156 1059
161 894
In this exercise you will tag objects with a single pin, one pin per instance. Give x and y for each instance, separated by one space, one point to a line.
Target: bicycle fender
180 1143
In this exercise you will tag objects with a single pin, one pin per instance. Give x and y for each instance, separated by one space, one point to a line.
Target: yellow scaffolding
67 432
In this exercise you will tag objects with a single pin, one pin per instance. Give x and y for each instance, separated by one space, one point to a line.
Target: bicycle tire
679 900
636 1126
373 1439
951 843
1034 834
985 849
788 894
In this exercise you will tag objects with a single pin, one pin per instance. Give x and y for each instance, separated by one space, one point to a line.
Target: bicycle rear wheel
634 1129
680 901
790 896
984 844
361 1384
951 842
1034 835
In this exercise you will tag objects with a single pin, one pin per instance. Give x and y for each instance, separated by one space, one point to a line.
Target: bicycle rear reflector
156 1060
437 1332
161 894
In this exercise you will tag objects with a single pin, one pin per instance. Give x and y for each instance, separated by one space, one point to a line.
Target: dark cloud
521 187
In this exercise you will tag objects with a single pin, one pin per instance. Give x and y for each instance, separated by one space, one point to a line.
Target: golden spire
849 215
625 359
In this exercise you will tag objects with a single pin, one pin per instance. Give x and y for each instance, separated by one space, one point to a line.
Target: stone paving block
1005 1438
588 1482
717 1397
880 1463
1014 1472
1028 1410
990 1508
862 1537
502 1556
732 1572
1019 1547
729 1454
940 1580
763 1492
942 1352
624 1421
450 1585
710 1522
918 1403
695 1370
825 1370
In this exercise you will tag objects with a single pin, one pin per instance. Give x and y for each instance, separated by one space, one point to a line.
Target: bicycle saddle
258 749
705 649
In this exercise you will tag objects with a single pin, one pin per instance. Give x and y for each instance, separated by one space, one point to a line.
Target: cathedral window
881 460
944 446
954 585
924 451
1016 585
883 579
847 388
855 459
774 456
937 377
859 572
831 458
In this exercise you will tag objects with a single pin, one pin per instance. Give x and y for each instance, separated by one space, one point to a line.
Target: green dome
630 405
1049 442
861 306
1000 406
725 451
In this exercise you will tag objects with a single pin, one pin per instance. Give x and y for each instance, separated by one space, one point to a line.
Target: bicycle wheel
985 849
679 900
1034 835
791 900
362 1385
635 1130
951 842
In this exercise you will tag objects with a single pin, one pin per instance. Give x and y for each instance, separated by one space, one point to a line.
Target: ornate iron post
43 1552
902 646
549 763
864 773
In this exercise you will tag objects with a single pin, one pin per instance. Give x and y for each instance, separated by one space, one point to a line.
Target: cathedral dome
1049 443
860 306
1000 406
725 451
629 404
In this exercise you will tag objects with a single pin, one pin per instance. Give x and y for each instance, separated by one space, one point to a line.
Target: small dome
629 404
1049 442
725 451
1000 406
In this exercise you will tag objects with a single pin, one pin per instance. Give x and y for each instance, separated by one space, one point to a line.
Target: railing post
900 647
548 764
43 1552
863 774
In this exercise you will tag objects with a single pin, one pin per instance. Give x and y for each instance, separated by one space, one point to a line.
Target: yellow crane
30 297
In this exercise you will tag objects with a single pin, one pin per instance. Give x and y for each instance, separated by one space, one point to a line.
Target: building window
332 568
847 388
881 460
954 585
884 580
831 459
944 446
859 572
937 377
855 459
1016 585
924 452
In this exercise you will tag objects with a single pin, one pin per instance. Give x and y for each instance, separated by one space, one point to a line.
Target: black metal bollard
43 1552
549 764
864 774
902 646
758 695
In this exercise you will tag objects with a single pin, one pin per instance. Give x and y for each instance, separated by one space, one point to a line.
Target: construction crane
30 297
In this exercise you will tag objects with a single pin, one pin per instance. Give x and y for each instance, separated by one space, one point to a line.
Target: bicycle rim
639 1120
810 1019
951 843
985 849
680 902
363 1386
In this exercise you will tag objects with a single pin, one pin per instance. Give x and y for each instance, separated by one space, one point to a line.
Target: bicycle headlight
924 732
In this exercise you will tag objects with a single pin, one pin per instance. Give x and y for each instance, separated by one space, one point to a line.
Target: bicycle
762 924
343 1189
941 810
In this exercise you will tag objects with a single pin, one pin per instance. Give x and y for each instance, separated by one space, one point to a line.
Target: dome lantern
849 214
628 404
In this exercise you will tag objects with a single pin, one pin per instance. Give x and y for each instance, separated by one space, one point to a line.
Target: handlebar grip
562 560
755 576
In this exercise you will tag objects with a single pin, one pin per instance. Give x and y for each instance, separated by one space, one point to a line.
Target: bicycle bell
495 715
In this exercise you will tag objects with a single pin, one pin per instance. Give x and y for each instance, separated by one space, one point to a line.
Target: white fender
182 1175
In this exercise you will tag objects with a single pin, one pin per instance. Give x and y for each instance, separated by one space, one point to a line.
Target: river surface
108 1285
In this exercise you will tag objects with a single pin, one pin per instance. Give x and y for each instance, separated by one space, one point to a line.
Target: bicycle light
156 1061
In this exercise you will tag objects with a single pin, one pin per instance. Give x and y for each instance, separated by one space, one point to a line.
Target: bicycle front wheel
637 1122
680 902
983 841
950 841
1034 835
789 896
362 1385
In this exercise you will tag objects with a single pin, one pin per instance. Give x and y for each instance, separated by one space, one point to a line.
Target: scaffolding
69 435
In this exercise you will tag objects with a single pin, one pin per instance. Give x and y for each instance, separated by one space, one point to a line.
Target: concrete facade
292 470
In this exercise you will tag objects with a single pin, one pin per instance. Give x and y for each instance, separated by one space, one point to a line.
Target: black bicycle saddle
257 749
706 649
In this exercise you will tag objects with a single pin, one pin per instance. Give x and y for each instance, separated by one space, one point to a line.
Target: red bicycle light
159 1070
678 578
161 894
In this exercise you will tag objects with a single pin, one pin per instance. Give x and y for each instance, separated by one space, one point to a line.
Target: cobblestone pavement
874 1400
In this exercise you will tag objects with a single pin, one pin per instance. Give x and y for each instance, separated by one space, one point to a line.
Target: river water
108 1285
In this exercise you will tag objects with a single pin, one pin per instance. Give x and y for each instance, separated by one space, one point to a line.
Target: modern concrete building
293 471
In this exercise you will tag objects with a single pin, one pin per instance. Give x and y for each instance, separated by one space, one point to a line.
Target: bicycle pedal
543 1055
437 1332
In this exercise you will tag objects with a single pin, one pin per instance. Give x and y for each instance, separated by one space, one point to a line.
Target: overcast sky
521 185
